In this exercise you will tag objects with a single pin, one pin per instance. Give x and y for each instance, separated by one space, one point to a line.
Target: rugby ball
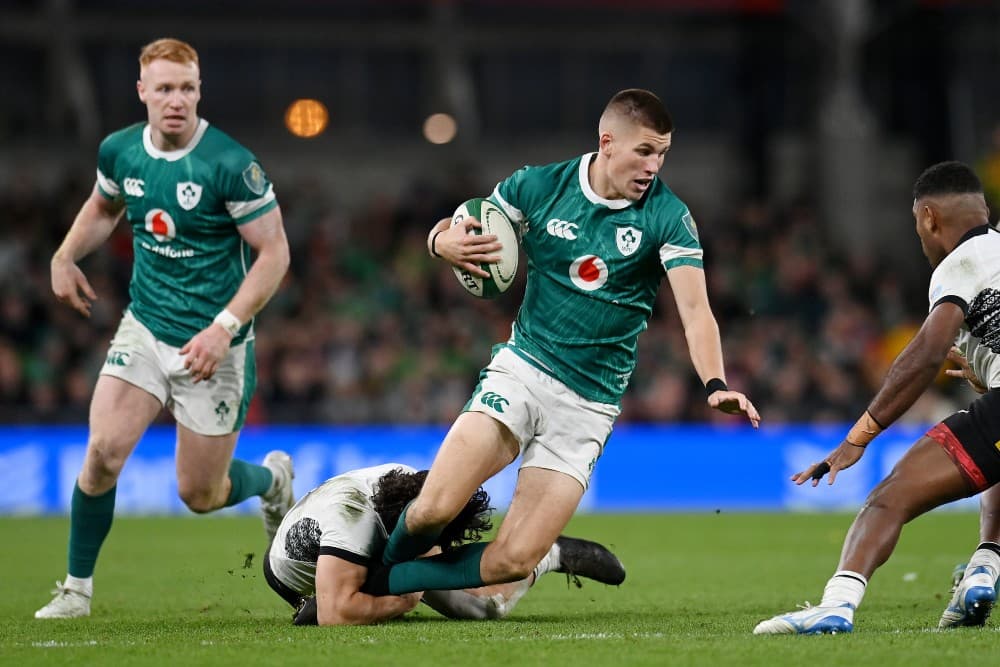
494 221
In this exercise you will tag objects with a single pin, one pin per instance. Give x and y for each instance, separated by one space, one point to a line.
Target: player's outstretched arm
704 343
92 226
910 374
339 600
266 235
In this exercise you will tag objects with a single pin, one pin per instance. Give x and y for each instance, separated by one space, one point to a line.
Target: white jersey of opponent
969 277
337 518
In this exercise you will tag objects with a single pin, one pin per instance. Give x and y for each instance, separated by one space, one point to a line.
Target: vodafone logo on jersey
160 225
589 272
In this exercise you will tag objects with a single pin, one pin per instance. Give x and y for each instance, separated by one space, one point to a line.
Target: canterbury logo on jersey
134 187
562 229
116 358
494 400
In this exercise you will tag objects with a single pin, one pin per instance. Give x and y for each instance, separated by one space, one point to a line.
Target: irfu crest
188 195
628 239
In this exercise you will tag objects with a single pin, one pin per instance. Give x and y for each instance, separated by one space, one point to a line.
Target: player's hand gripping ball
494 221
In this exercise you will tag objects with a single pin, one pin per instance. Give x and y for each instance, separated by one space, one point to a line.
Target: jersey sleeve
510 195
952 282
246 189
350 532
107 183
680 245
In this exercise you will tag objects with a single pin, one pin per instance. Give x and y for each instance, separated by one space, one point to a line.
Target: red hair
170 49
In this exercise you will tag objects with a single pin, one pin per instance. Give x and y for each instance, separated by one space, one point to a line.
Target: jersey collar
975 231
588 191
172 156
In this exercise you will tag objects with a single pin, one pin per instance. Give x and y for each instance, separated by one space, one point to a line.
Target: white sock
984 556
844 587
83 585
504 604
549 563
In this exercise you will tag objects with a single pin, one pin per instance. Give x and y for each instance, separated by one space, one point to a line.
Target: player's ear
929 217
604 143
140 90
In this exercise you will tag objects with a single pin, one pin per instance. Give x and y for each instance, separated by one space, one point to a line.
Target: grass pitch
184 591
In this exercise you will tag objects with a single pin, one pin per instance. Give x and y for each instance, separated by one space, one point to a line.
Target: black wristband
714 385
433 241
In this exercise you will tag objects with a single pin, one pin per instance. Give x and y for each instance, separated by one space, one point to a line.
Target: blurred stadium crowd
846 100
367 328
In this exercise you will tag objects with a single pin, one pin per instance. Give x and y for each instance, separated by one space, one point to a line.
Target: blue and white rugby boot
810 621
972 601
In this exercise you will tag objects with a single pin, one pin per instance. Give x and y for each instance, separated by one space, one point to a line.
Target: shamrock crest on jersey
188 195
628 239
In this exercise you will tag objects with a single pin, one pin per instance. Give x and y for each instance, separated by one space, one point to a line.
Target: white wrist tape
228 321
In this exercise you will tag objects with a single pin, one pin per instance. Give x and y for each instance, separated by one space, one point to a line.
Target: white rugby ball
494 221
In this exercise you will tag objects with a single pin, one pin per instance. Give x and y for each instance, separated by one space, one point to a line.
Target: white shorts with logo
557 428
211 407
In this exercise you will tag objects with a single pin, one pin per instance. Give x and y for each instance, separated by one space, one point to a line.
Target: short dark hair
642 107
396 488
947 178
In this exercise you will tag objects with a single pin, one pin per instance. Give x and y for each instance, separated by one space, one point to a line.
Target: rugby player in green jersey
197 202
600 231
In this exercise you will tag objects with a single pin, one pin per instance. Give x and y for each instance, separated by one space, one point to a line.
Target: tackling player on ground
321 554
552 392
956 458
198 203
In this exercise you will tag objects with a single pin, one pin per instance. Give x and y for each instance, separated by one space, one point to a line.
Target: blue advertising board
644 468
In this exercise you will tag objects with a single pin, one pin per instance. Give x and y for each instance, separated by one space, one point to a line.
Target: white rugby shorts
557 428
211 407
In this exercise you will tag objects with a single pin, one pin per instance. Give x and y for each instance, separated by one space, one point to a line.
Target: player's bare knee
513 563
103 463
424 516
199 500
885 498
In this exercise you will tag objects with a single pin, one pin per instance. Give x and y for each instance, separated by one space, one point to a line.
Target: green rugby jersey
184 207
594 268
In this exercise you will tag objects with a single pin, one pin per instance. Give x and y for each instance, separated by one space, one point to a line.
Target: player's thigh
120 413
500 419
544 502
131 389
957 457
924 478
476 447
203 460
134 357
572 437
217 406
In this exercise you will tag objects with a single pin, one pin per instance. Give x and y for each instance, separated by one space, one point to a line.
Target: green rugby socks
90 520
247 480
453 570
405 546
